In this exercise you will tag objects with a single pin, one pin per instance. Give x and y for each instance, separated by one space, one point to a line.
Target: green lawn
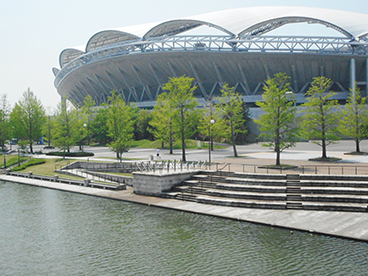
48 168
11 159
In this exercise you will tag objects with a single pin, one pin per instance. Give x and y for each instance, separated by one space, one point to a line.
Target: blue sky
34 32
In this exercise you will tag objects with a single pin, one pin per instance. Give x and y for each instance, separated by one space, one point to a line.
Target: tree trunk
278 163
233 140
277 145
31 147
171 139
324 151
357 147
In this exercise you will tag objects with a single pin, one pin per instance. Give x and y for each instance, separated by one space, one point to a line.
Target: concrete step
334 190
295 177
340 207
241 195
327 183
251 188
335 198
293 197
186 197
294 205
244 203
249 181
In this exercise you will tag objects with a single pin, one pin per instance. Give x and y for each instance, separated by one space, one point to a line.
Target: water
48 232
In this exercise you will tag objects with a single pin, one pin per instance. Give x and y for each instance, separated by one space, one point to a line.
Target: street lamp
209 143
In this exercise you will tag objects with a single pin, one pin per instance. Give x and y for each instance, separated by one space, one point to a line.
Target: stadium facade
232 46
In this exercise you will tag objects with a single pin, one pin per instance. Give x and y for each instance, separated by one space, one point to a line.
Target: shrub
70 154
32 162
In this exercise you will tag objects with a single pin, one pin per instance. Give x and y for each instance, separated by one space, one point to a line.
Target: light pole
209 142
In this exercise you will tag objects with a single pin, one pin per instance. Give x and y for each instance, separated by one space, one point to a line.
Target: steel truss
264 44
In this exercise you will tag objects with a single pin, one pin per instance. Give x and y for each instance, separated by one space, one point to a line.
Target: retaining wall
153 184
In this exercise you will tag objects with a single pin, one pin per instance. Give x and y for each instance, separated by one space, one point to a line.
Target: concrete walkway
341 224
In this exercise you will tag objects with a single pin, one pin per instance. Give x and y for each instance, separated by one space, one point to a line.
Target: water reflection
47 232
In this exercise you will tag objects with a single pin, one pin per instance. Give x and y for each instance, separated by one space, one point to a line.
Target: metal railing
302 169
190 187
170 166
67 181
318 45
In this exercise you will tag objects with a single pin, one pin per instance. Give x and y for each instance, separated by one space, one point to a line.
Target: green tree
354 119
242 136
80 126
183 103
120 122
278 124
142 126
162 121
99 128
48 128
28 117
88 107
205 127
231 107
320 119
5 127
66 124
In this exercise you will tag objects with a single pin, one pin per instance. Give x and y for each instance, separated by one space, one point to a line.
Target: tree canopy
278 124
354 119
28 117
120 123
183 104
232 111
320 115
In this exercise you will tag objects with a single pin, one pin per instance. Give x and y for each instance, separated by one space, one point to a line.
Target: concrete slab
341 224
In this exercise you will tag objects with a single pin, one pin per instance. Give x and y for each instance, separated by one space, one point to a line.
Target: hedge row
28 164
70 154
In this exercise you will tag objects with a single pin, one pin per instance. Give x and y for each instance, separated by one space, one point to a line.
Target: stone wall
153 184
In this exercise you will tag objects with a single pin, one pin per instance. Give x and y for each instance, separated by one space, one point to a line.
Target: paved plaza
250 154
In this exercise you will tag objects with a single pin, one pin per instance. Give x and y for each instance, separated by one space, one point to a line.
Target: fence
170 166
302 169
58 179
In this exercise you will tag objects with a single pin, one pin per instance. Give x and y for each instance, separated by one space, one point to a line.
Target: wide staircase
277 191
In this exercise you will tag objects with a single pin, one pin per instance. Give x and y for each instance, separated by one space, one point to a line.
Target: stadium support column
352 76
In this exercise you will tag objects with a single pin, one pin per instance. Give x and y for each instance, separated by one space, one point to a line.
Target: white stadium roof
250 21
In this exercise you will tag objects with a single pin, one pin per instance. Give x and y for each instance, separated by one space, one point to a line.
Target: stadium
241 47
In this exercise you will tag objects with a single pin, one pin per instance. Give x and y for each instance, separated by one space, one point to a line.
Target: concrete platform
349 225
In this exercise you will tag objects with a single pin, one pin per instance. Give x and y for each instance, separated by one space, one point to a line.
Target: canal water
49 232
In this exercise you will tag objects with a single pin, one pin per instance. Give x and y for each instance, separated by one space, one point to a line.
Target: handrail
302 169
200 181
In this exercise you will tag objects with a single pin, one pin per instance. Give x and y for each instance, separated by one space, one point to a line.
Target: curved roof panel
108 37
244 21
269 25
174 27
55 71
68 55
237 20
